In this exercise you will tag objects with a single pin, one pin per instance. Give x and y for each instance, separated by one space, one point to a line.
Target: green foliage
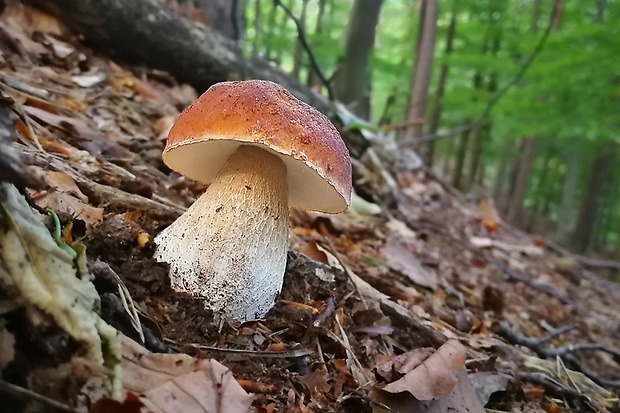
570 92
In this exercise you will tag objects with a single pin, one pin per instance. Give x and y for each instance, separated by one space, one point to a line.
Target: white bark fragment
229 248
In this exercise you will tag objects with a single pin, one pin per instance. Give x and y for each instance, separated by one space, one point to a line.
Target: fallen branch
566 352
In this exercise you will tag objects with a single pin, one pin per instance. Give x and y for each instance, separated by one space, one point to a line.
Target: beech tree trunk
351 83
422 69
298 56
428 150
568 203
520 183
141 31
313 80
591 198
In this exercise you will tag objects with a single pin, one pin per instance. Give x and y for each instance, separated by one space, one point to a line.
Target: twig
304 43
500 93
29 394
565 352
250 353
549 383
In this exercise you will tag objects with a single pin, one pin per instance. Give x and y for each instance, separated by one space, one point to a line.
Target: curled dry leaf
64 196
170 383
391 368
433 377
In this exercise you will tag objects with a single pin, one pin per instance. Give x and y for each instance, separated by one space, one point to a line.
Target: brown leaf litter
410 300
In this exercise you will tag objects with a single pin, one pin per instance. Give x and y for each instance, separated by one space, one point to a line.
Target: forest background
514 99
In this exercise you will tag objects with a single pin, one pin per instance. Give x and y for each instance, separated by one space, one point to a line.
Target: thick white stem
229 248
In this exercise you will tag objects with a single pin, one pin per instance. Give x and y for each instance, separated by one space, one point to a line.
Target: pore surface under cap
263 113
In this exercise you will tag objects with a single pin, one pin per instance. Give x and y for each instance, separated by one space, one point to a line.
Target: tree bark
225 16
568 203
314 80
428 149
258 28
592 197
421 77
298 56
514 214
141 31
351 84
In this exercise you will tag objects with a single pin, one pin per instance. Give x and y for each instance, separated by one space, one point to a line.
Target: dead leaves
64 196
170 383
426 376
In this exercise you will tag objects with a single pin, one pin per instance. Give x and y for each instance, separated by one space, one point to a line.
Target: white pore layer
229 248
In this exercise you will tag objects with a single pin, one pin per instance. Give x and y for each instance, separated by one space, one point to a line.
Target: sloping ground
429 272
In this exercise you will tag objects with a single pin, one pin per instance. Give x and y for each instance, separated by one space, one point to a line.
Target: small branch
565 352
304 43
550 384
249 353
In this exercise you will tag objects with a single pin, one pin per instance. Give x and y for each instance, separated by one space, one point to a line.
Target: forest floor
477 313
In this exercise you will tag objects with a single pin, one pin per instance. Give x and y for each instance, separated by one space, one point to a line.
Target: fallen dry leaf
64 196
435 376
393 368
461 399
486 383
170 383
400 259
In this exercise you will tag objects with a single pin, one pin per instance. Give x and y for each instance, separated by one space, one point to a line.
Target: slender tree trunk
422 69
540 195
501 176
428 150
258 28
568 203
592 197
298 57
461 152
351 83
514 214
282 29
313 79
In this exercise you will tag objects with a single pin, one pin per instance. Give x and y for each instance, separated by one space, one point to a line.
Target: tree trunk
258 28
422 69
540 196
427 150
189 51
282 29
501 176
351 84
298 56
568 203
313 79
591 199
514 214
461 153
225 16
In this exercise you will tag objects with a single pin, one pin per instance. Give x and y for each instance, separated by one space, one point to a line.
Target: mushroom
262 150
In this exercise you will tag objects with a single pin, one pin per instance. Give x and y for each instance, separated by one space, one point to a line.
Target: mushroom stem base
229 248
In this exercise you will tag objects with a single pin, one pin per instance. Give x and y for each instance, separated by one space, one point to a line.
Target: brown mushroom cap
258 112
